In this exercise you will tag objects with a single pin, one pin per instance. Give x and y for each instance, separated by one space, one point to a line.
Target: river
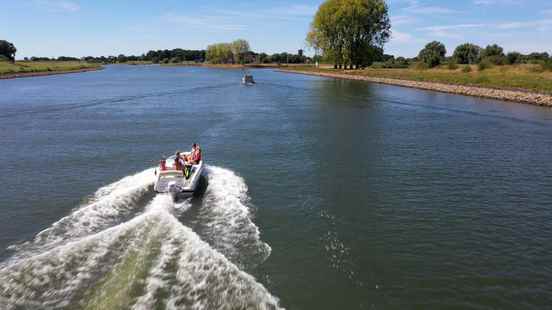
319 194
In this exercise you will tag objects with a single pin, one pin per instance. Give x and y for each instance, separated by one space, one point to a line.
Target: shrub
421 66
467 69
547 66
484 65
4 58
467 54
513 58
433 54
494 54
452 65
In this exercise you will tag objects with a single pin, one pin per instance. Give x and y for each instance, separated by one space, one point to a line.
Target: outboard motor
174 189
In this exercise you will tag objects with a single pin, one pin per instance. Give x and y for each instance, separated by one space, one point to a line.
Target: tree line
237 52
434 54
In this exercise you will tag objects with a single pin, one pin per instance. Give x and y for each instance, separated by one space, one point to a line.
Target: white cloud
417 7
451 31
540 25
398 20
497 2
59 5
402 37
201 21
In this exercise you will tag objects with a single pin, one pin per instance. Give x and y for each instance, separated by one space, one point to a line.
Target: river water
319 194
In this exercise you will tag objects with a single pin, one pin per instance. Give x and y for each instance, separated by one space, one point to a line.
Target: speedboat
175 181
248 79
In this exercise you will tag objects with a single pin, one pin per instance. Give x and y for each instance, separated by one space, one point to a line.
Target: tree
8 50
121 58
494 54
220 53
513 58
467 54
346 31
433 54
239 48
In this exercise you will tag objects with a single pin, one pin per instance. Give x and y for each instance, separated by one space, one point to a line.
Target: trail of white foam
108 207
185 271
225 219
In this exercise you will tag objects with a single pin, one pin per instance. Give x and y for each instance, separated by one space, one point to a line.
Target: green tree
467 54
8 50
347 31
433 54
220 53
494 54
513 58
239 49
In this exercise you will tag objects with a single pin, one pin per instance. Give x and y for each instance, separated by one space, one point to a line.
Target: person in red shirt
195 156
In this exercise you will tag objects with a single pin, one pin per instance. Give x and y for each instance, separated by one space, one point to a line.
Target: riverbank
21 69
539 93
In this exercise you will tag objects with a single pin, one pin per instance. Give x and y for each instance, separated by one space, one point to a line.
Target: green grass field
519 77
7 68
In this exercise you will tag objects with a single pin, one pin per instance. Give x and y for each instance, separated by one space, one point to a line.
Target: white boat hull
174 182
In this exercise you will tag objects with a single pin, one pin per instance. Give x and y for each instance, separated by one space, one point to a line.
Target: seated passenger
179 162
195 155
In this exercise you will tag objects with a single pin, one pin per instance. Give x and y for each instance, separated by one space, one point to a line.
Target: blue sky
110 27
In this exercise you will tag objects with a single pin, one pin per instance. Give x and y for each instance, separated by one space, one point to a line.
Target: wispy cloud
399 20
58 5
450 31
497 2
540 25
419 8
205 22
402 37
292 12
459 30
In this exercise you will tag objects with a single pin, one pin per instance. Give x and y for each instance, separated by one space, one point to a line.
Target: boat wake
127 249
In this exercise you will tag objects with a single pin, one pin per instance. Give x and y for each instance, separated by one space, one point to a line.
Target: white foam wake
151 261
108 206
225 219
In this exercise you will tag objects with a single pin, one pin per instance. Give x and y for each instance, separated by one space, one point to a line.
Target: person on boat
179 162
195 156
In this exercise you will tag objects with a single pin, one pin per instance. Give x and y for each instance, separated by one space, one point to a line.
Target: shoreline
45 73
525 97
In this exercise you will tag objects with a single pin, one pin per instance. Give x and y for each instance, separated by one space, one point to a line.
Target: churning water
122 250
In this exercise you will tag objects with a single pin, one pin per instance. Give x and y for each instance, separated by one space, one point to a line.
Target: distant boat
248 79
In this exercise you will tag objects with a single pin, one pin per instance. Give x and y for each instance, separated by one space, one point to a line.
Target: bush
484 65
513 58
452 65
467 54
433 54
467 69
547 66
4 58
421 66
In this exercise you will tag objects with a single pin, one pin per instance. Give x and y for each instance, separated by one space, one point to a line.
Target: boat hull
174 182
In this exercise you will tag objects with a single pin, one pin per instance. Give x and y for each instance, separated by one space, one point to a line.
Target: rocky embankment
44 73
500 94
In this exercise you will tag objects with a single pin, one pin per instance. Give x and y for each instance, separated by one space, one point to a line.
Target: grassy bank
519 77
30 67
